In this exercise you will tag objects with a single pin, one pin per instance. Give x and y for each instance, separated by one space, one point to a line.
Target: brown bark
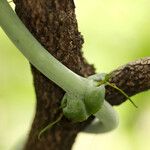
53 23
132 78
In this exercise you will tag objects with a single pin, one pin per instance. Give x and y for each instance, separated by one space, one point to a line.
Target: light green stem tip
49 126
121 91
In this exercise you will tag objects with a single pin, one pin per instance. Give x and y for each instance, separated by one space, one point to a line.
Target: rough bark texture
132 78
53 23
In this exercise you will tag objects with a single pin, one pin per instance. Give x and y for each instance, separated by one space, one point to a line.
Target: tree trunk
53 23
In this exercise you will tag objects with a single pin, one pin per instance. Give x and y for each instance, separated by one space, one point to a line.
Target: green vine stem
36 53
83 97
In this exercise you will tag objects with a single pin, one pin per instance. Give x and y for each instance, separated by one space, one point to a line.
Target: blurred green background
115 32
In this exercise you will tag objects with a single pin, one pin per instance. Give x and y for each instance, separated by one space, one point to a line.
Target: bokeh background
115 32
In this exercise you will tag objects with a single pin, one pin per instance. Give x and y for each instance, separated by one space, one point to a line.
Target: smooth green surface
121 34
106 120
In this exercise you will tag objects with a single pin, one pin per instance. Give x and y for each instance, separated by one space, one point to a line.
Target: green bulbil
78 107
74 108
94 98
